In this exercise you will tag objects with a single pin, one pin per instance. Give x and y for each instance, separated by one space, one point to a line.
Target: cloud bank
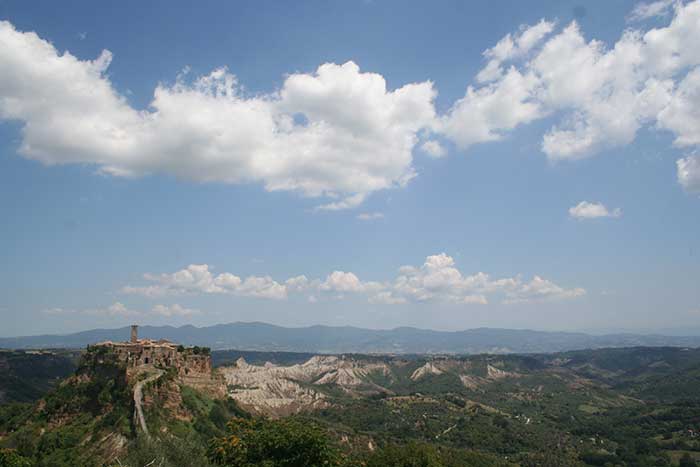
338 133
437 280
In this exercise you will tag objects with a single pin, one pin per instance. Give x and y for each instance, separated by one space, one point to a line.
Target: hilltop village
191 366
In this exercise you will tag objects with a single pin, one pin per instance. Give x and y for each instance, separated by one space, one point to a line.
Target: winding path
138 399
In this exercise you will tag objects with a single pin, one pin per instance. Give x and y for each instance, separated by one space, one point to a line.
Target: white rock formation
428 369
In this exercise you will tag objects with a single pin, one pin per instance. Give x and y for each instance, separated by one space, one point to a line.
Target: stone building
191 363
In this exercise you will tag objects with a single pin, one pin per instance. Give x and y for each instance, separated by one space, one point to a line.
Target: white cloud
437 280
261 287
586 210
486 113
689 173
539 289
682 114
602 96
511 47
370 216
173 310
297 284
196 279
356 136
507 98
340 281
434 149
609 94
339 133
348 202
646 10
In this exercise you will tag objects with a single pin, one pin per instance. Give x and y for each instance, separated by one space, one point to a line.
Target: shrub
10 458
273 443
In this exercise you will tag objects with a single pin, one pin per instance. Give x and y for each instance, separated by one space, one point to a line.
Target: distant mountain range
328 339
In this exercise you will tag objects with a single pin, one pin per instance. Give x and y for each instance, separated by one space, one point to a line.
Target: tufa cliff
120 393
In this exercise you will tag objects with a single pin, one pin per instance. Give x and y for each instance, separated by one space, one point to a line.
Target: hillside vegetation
607 407
28 375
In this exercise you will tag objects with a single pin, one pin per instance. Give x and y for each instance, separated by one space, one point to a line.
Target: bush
687 461
10 458
170 452
416 454
410 455
273 443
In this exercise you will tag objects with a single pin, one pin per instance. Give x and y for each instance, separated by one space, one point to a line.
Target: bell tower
134 333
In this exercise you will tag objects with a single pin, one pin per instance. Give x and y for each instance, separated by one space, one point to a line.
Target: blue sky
150 184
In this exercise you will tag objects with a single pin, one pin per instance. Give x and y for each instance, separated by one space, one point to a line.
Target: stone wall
193 369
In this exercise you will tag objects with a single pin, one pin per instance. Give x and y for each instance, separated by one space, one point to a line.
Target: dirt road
138 400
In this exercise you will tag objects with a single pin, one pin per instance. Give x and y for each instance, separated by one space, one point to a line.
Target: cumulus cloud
348 202
512 47
173 310
602 96
486 113
437 280
337 132
539 289
434 149
586 210
682 114
197 278
340 281
689 173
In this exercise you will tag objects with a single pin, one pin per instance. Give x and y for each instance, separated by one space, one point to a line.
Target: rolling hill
328 339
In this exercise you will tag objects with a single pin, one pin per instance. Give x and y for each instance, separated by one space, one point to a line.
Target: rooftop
141 343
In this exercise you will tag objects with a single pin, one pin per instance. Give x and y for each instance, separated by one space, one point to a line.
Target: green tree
409 455
687 461
10 458
273 443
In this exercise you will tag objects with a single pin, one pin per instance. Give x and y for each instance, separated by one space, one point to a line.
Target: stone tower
134 333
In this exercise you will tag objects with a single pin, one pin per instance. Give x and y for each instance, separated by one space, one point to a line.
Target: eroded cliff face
315 384
282 390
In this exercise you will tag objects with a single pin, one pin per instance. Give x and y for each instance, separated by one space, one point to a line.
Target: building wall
185 362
